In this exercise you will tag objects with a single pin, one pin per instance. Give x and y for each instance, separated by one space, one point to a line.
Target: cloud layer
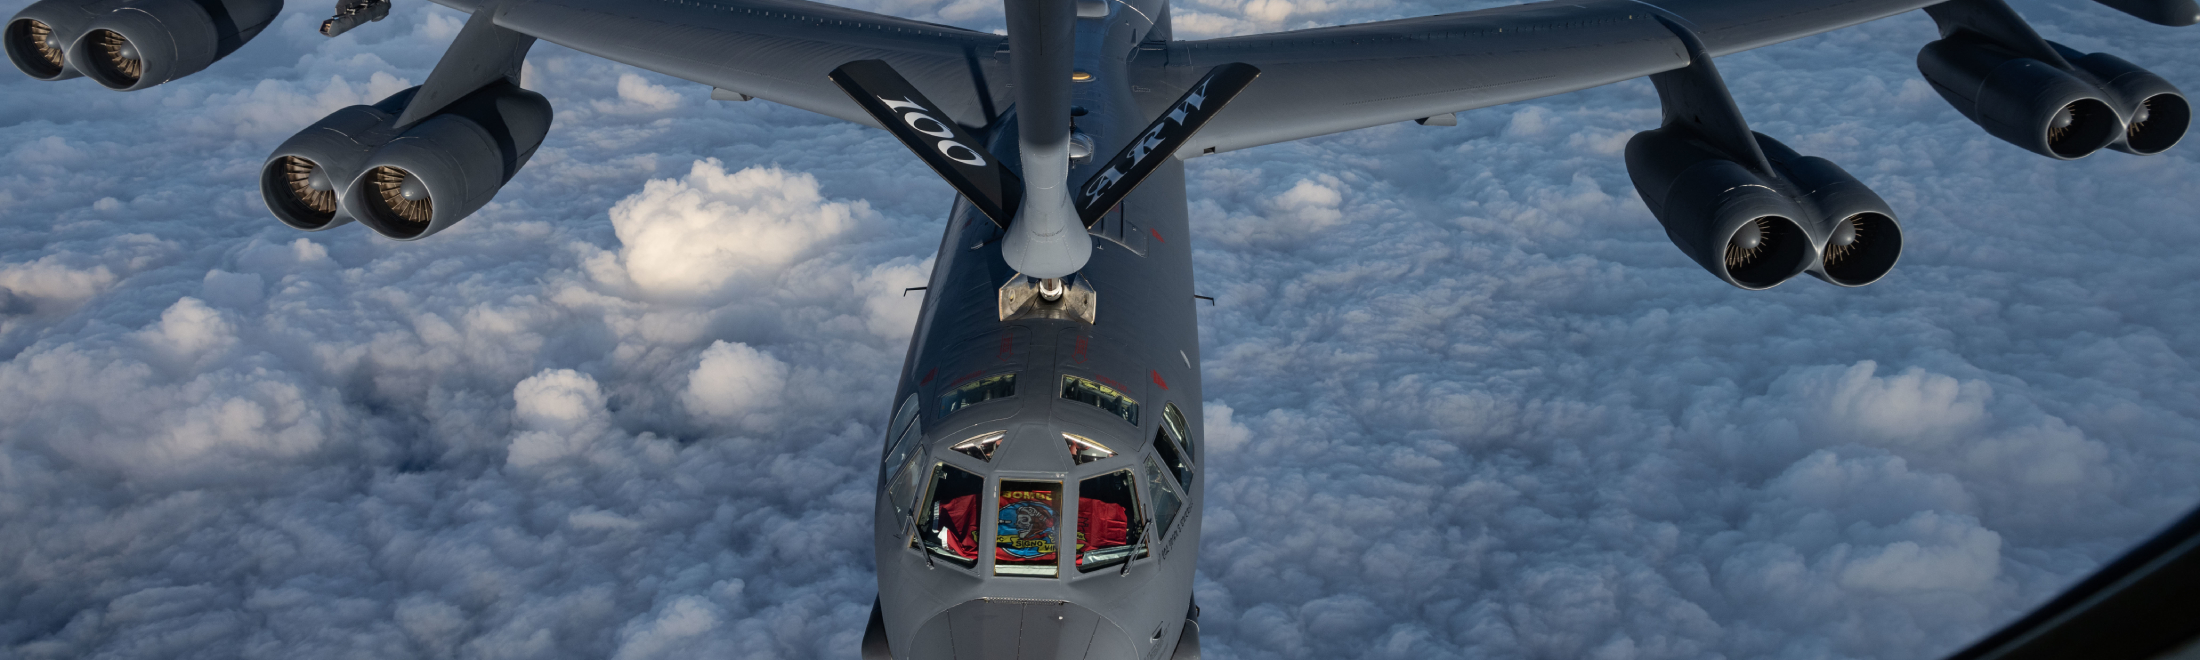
1465 399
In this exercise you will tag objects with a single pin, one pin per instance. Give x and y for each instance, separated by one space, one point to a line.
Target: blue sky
1465 398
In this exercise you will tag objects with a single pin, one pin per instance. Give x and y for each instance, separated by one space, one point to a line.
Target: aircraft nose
1014 629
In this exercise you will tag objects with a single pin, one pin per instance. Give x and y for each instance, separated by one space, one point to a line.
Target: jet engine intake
2027 102
36 50
304 180
148 42
1732 221
1855 230
450 165
37 39
2154 112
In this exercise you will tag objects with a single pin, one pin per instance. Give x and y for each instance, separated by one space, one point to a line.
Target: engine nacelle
1854 229
148 42
37 39
304 181
2155 113
1757 229
1729 219
450 165
2027 102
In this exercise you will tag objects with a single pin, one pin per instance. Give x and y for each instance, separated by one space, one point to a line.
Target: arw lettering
1146 144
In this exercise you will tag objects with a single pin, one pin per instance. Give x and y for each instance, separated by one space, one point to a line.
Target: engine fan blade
1748 244
2158 123
117 57
400 195
40 36
309 184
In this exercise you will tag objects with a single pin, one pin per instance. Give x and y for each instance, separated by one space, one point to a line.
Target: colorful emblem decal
1026 530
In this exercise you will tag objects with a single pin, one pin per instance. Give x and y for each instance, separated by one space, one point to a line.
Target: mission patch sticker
1026 526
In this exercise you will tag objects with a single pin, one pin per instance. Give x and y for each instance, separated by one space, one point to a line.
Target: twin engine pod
356 164
2099 102
1757 229
131 45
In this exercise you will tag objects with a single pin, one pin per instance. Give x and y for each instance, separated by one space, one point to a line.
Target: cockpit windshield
1100 396
1165 498
1025 536
1108 528
949 527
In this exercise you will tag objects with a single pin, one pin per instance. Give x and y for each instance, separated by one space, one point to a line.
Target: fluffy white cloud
1465 399
51 278
637 95
558 413
736 383
689 237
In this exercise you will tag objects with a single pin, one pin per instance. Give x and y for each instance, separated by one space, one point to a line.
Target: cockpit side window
903 434
1164 494
1173 459
903 414
901 491
1027 528
1100 396
1109 527
1175 419
978 391
949 527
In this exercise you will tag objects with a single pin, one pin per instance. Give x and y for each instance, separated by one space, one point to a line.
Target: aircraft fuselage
1046 554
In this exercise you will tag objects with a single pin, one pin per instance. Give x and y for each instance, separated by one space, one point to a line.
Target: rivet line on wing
1668 13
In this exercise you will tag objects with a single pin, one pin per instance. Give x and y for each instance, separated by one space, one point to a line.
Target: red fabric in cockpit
1102 524
959 517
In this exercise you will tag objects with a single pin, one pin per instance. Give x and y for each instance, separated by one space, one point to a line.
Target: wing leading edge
1316 82
776 50
1334 79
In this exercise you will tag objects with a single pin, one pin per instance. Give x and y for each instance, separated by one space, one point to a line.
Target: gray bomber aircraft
1038 497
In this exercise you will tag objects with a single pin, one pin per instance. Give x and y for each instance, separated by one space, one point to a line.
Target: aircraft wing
2139 607
776 50
1333 79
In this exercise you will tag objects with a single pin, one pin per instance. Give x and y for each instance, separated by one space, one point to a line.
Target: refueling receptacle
1067 298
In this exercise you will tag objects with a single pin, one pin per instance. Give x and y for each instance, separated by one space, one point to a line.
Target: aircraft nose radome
1013 629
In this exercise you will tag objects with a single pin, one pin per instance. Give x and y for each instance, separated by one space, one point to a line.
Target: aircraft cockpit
1031 495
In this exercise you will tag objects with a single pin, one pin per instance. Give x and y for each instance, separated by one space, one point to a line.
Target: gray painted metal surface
1041 478
1314 82
1144 346
483 53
